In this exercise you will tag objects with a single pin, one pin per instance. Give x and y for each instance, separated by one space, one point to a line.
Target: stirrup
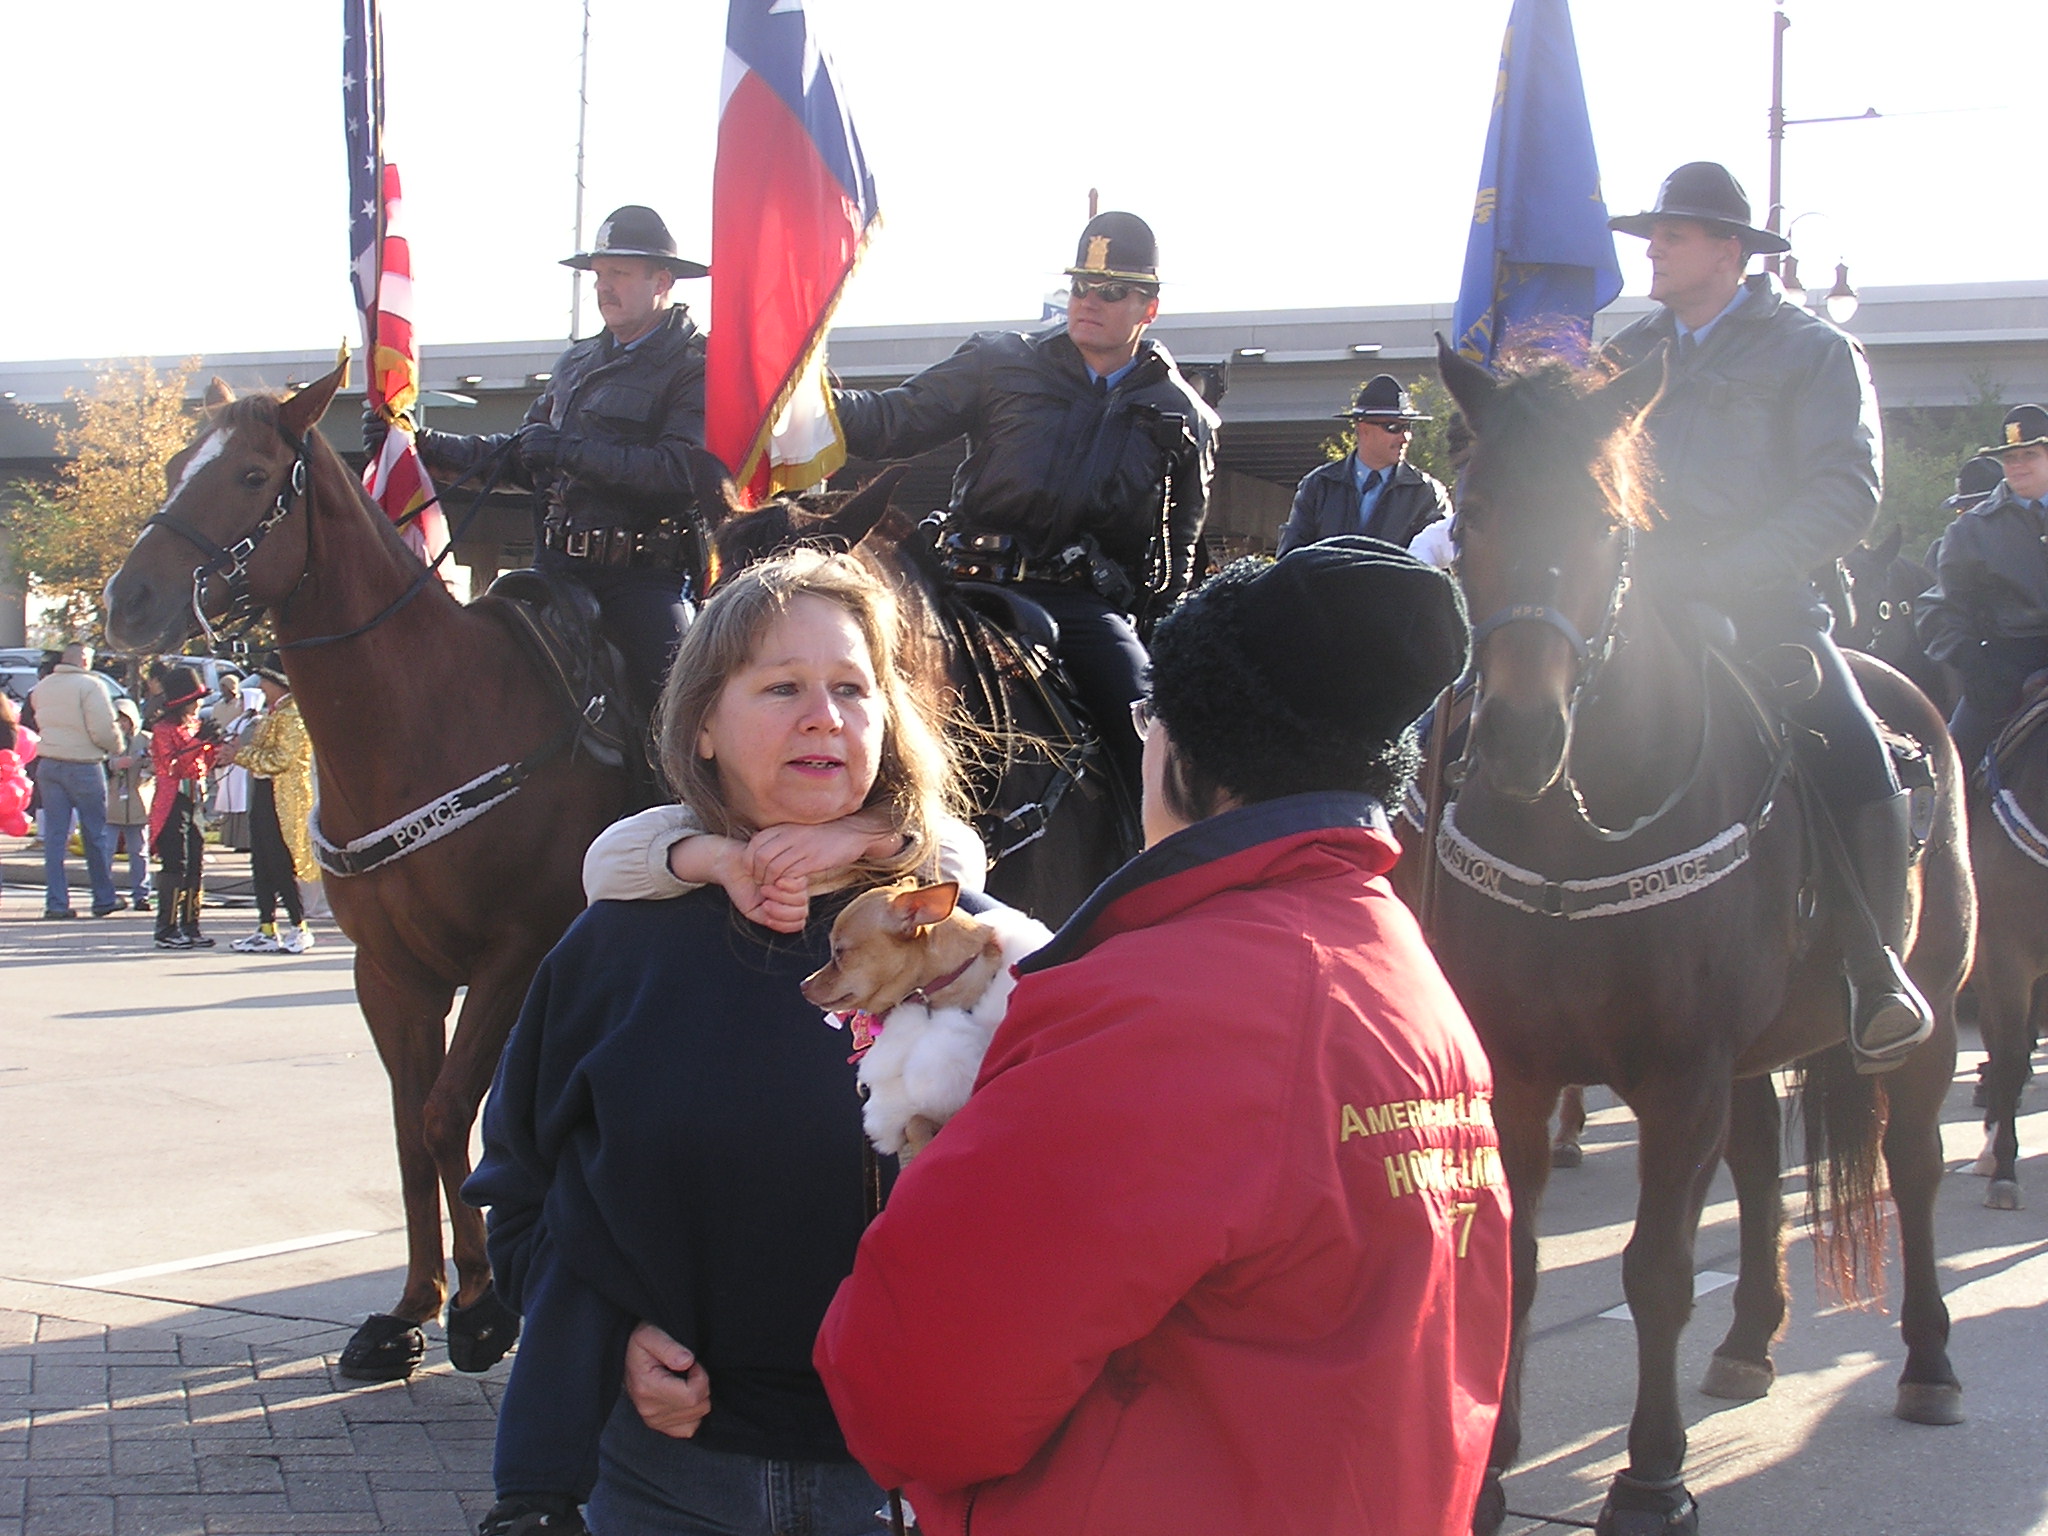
1898 1021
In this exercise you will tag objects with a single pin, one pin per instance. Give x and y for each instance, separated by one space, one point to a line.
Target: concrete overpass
1286 372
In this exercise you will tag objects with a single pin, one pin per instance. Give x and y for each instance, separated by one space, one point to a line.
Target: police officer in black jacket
1768 451
1373 489
1987 616
1087 471
605 449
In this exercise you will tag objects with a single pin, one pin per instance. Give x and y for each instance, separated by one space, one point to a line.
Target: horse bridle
232 563
243 611
1589 655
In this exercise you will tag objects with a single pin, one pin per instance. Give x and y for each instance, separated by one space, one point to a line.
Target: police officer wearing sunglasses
1372 490
1087 471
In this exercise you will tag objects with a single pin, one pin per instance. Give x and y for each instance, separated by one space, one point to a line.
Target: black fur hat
1281 678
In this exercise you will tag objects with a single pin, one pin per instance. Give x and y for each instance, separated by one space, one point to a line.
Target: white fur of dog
924 1062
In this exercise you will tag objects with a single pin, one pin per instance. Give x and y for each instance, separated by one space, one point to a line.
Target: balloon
14 794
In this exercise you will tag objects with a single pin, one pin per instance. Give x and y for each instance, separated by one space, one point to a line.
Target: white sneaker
295 941
258 943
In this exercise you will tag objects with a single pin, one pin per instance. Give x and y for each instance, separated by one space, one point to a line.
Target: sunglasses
1142 716
1392 428
1109 293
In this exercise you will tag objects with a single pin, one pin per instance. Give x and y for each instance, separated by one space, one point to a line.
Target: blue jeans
138 855
651 1485
79 788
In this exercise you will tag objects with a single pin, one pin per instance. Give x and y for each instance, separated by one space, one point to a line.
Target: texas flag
792 205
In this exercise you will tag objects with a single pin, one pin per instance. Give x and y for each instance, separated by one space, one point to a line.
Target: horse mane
1545 418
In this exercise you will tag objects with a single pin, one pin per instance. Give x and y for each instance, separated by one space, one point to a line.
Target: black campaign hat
1705 191
2026 426
1976 480
1327 655
1117 246
636 231
1381 398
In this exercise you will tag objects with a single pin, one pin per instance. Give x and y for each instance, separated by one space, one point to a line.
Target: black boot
170 933
1887 1014
194 939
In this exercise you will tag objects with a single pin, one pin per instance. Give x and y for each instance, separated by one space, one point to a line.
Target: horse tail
1843 1112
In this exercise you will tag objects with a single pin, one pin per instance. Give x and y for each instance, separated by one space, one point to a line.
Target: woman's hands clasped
768 877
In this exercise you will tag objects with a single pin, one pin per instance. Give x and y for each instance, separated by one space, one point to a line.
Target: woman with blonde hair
674 1161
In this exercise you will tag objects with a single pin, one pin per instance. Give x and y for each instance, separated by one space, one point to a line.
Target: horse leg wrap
480 1333
1639 1506
385 1348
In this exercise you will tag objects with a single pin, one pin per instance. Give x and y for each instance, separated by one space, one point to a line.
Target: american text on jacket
1414 1115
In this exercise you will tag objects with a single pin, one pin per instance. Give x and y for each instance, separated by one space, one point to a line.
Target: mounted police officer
1087 471
1373 489
1768 450
1987 616
605 449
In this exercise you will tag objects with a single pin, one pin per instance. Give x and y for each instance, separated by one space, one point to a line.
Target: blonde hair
915 776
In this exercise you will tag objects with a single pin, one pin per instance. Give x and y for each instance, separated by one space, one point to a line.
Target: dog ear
924 906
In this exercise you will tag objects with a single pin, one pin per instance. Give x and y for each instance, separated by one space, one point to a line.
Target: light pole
1780 122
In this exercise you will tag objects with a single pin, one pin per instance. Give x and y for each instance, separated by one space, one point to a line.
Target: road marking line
1703 1282
209 1260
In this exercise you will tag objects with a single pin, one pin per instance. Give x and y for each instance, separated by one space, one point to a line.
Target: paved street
201 1201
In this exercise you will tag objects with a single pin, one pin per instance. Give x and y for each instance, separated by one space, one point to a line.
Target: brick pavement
121 1416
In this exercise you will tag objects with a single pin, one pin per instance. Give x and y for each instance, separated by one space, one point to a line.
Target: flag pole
582 117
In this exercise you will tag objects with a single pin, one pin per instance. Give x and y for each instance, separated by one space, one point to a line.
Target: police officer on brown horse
1768 453
606 448
1087 471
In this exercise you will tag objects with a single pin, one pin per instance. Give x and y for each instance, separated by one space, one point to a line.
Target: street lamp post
1780 122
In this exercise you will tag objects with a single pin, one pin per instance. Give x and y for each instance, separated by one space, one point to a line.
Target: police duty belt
434 820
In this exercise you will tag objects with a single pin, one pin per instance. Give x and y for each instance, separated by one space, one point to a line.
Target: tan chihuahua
933 983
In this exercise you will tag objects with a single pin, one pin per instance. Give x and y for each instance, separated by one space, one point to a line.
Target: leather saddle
558 625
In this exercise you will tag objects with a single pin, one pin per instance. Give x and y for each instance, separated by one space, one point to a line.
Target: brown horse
2008 814
1622 901
414 697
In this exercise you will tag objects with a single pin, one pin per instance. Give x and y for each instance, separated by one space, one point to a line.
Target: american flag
380 266
792 206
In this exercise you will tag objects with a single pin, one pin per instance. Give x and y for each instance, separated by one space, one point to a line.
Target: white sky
174 178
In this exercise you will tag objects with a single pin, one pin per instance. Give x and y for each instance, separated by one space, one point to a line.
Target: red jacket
1220 1244
179 756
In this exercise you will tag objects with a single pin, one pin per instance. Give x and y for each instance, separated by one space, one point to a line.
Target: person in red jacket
1220 1243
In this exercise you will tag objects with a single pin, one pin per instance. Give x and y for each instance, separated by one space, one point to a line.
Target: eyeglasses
1109 293
1393 428
1142 716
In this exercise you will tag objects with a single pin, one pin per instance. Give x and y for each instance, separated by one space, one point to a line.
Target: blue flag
1540 260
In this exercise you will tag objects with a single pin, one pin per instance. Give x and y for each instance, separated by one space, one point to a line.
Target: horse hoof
1491 1512
1567 1154
1739 1381
1922 1402
385 1348
2004 1195
480 1333
1638 1509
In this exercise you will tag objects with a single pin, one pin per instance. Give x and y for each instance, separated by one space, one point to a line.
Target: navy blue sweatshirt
681 1131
